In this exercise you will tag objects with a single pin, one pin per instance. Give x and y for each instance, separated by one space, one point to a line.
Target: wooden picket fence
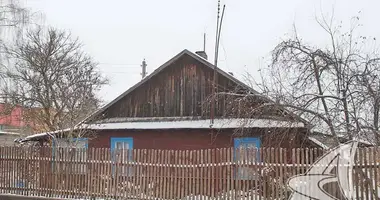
168 174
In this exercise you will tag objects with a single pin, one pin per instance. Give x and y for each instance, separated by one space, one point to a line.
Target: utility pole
143 68
219 20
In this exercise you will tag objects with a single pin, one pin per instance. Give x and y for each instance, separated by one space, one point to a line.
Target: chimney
202 54
143 67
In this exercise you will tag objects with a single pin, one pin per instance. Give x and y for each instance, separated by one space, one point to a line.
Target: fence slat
149 181
99 171
227 173
111 165
223 174
238 174
182 169
169 175
191 180
90 172
376 171
365 171
257 158
370 175
143 174
101 156
176 194
155 175
277 169
161 173
186 172
166 175
3 161
361 161
208 161
245 172
218 171
2 169
283 173
6 170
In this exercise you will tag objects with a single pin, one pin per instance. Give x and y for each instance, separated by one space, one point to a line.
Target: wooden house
188 103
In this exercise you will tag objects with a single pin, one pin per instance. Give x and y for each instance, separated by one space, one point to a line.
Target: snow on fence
168 174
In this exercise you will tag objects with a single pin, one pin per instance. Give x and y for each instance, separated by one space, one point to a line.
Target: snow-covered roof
45 134
9 133
184 124
199 124
327 141
318 142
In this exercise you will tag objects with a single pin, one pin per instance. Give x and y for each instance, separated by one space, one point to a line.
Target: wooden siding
187 139
181 89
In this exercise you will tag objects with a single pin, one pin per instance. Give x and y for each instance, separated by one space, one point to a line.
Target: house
8 138
175 107
20 119
14 119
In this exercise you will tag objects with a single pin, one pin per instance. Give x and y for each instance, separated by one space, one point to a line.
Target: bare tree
54 78
336 88
14 18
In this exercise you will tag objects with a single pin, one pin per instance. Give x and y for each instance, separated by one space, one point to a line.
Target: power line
118 72
121 64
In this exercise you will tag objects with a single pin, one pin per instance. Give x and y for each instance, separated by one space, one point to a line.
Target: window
69 154
121 150
246 150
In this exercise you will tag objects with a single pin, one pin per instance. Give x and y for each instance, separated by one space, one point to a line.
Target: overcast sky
119 34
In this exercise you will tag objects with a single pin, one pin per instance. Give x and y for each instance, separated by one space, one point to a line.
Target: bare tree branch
54 78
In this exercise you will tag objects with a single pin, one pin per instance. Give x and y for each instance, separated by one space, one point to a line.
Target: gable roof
168 123
162 67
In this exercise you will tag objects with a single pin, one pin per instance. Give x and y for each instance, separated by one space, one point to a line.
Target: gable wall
181 89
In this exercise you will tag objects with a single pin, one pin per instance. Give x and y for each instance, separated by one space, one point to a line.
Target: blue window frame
244 173
247 142
122 140
122 143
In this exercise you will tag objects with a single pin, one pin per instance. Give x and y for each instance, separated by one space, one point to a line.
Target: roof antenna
204 42
143 68
219 21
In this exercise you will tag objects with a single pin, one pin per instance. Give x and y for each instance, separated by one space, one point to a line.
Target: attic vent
202 54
